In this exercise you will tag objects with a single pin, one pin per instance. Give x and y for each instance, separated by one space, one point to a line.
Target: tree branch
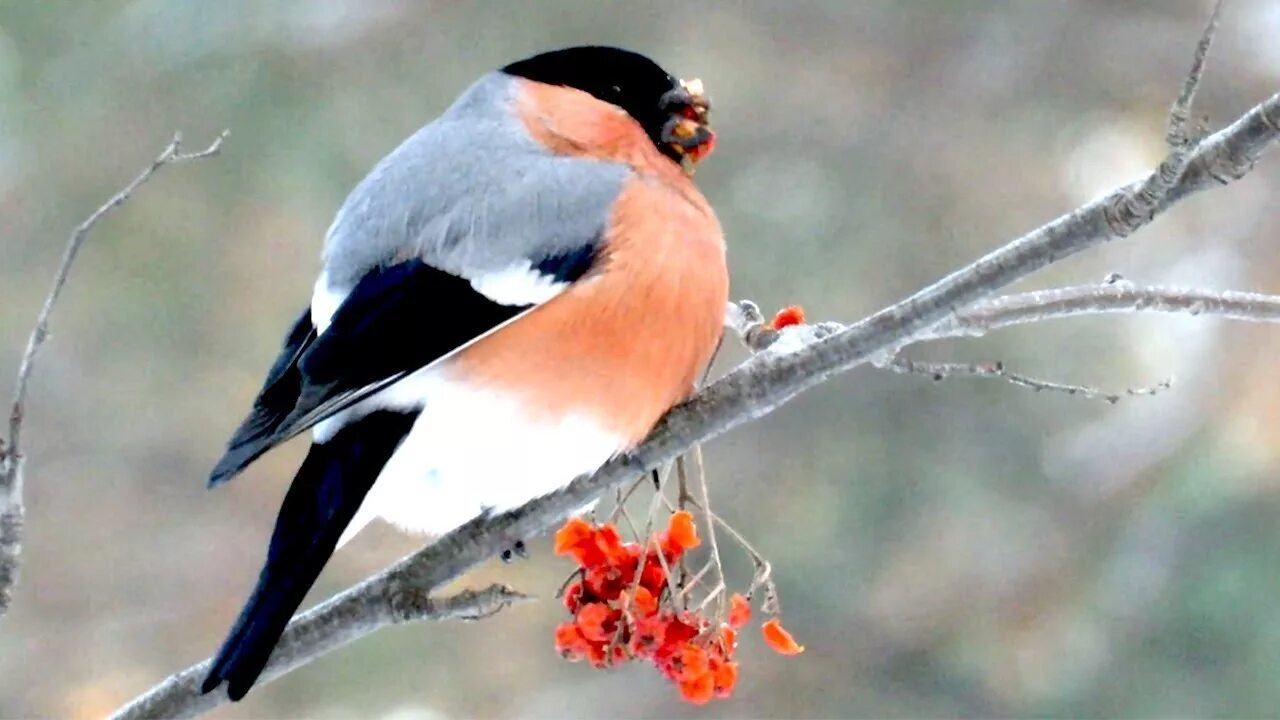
745 318
178 695
765 382
12 509
1030 307
1041 305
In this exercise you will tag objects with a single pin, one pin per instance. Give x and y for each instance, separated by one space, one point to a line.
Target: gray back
470 193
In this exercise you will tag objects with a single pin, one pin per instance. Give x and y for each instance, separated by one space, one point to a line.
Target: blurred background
956 548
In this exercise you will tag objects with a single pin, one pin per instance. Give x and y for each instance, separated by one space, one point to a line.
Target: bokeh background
955 548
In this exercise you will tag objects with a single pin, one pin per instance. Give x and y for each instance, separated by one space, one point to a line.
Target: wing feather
396 321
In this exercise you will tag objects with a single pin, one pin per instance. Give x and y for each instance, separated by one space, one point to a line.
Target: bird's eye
616 89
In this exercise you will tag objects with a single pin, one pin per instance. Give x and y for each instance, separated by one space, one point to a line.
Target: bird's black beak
687 132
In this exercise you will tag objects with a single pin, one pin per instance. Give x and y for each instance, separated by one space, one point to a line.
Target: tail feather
325 495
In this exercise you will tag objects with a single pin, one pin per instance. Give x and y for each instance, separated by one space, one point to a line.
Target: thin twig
683 499
663 473
692 583
621 509
169 156
1178 135
672 582
12 509
762 577
1135 209
996 369
718 590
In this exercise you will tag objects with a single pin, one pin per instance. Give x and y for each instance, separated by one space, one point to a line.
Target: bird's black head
672 113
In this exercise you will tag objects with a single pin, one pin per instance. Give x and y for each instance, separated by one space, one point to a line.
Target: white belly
472 450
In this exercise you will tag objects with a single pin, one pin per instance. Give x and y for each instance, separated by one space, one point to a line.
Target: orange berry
725 677
698 690
643 602
571 535
570 643
609 541
788 316
629 557
675 634
597 621
739 611
728 638
682 534
600 581
779 639
573 596
691 662
597 654
653 578
647 635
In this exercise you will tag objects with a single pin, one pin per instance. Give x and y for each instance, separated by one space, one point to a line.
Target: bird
513 296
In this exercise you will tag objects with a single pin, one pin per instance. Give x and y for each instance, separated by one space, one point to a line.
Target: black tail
324 496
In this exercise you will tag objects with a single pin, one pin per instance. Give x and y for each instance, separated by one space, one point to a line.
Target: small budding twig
941 370
1177 134
1133 210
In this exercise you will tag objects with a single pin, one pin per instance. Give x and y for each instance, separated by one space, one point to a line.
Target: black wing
275 401
397 320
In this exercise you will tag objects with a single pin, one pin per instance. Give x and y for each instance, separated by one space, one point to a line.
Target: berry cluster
624 609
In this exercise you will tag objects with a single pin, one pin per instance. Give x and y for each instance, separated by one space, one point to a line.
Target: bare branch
943 370
1178 135
170 155
12 509
1041 305
762 384
178 696
1133 210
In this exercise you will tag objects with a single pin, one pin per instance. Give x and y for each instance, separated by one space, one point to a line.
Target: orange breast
628 341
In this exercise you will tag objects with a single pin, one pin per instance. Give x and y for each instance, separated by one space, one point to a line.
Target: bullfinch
513 296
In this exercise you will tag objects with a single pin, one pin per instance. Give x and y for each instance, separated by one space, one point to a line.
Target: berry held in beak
688 132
